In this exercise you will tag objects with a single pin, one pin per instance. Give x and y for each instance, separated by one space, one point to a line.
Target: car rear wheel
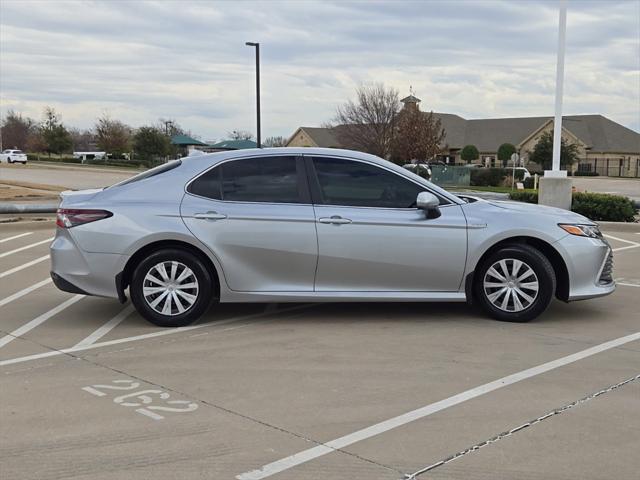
515 283
171 288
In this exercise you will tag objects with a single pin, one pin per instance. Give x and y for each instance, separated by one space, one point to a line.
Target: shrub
488 177
595 206
605 207
528 182
528 197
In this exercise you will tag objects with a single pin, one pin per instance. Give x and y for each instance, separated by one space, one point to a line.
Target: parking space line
621 239
24 292
15 237
23 266
627 284
38 320
625 248
161 333
11 252
106 328
395 422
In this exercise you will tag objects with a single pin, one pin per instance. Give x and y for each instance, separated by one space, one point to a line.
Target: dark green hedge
595 206
492 177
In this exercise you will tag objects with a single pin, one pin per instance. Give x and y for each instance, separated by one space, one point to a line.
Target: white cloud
187 60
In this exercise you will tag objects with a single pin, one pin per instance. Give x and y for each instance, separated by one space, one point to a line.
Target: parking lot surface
314 391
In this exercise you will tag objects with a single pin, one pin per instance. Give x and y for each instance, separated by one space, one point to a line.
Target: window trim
301 174
316 192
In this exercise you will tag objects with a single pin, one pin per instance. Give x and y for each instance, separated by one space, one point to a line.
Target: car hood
534 209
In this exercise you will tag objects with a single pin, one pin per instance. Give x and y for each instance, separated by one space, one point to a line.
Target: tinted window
267 179
346 182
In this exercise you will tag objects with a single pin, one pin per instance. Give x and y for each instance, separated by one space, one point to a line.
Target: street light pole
258 133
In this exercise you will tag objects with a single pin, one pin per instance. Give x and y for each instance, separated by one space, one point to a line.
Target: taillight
69 217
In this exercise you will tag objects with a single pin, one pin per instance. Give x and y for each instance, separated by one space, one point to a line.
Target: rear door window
266 179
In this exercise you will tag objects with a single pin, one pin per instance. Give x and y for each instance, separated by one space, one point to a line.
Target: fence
612 167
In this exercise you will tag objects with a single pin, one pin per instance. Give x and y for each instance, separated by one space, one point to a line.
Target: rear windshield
150 173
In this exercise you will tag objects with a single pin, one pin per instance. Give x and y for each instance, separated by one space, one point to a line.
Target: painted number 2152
151 401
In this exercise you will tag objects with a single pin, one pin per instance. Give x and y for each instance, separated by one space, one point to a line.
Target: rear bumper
77 271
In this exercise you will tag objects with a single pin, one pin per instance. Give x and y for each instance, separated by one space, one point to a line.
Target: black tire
544 274
204 292
9 161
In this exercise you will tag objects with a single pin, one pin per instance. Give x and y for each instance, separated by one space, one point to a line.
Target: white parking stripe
24 292
385 426
11 252
23 266
628 284
161 333
621 239
106 328
625 248
39 320
15 236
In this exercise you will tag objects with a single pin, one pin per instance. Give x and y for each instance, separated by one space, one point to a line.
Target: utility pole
258 133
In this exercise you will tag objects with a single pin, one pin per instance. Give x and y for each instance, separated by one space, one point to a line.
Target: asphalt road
72 177
313 391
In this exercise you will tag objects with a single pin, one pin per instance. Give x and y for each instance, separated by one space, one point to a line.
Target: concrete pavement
91 390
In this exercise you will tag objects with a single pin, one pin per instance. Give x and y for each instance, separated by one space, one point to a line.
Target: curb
18 208
20 224
628 227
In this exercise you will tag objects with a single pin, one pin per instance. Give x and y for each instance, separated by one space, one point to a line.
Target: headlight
591 231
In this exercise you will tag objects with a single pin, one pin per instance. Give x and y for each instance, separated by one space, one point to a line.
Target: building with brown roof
603 145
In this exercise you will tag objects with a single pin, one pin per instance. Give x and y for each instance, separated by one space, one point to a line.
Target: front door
255 215
372 238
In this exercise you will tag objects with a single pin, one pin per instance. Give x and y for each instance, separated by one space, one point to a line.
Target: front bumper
590 265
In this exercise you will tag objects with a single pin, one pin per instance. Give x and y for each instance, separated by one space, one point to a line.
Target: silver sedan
312 224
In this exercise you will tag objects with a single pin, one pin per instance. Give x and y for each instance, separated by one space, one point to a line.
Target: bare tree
113 136
15 130
240 135
83 140
271 142
419 136
367 123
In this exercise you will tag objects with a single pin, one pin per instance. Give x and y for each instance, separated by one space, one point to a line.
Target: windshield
150 173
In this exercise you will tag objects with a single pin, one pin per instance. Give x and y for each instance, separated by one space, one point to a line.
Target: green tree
505 151
54 133
151 143
542 153
113 136
469 153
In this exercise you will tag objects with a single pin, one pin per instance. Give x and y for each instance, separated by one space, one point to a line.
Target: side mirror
429 203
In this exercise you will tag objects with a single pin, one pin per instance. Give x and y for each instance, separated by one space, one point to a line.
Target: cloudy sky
139 61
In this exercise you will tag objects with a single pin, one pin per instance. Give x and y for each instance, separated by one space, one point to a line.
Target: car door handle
209 216
335 220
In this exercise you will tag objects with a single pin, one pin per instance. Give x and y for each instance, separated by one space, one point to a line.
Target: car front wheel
515 283
171 288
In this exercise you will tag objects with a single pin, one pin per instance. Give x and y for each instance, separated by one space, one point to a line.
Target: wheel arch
557 262
123 279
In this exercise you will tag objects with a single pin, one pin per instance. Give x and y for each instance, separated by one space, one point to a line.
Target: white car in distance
13 156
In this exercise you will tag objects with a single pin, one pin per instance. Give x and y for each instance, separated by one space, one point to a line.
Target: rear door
371 237
255 215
